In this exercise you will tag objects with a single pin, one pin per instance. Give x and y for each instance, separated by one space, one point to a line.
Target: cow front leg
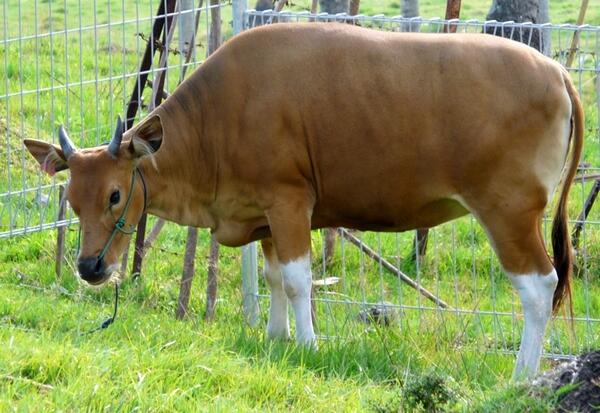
290 229
278 326
297 282
535 291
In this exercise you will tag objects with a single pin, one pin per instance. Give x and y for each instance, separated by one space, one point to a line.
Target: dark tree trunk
520 11
263 5
410 8
334 6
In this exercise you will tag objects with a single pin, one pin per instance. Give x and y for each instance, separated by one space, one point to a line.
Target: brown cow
331 125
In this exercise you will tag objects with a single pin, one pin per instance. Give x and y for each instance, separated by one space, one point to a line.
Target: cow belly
380 217
232 233
372 217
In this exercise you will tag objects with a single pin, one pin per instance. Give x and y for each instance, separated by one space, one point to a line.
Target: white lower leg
536 292
297 282
278 325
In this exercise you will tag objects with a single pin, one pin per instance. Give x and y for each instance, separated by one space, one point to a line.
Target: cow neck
181 177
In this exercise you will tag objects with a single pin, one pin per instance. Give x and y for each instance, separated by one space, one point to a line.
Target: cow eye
114 198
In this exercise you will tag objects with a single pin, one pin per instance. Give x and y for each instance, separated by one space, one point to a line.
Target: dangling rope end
110 320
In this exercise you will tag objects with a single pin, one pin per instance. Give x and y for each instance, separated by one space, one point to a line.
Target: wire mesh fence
76 63
362 284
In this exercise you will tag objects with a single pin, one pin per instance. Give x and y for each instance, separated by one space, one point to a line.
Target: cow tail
561 242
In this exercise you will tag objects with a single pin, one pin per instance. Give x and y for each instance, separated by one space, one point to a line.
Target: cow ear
50 157
147 137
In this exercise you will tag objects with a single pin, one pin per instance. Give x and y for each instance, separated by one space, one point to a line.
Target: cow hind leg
536 291
516 238
278 324
290 229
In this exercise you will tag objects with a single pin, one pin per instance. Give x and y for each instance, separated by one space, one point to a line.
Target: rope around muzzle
119 227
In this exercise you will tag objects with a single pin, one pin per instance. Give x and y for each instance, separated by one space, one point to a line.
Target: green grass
149 361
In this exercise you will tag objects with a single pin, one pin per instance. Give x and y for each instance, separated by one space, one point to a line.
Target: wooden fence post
452 12
329 245
211 282
188 273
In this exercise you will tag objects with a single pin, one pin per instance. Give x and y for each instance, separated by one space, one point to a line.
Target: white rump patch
550 162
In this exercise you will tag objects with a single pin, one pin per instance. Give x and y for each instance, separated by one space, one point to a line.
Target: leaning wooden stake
191 245
60 232
158 85
587 206
575 40
188 273
157 97
391 268
134 104
189 52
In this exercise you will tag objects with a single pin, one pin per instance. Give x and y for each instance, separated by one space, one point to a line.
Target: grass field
148 361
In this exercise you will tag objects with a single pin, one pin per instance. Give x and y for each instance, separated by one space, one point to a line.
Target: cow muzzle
92 270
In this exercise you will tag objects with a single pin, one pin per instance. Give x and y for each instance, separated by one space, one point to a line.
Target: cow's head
104 186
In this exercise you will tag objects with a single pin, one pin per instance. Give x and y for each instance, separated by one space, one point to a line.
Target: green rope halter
120 222
119 225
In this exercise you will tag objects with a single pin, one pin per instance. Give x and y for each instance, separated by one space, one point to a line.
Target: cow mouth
101 276
96 283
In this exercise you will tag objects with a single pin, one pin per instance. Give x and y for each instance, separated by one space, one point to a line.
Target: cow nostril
91 269
98 266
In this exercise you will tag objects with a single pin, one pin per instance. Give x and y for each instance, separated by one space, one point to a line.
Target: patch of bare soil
576 384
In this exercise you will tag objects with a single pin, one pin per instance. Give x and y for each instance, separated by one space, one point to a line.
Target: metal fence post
249 254
239 7
250 283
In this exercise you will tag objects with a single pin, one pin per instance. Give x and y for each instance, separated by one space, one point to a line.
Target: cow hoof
275 335
308 342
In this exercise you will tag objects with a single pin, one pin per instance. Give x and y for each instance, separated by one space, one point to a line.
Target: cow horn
65 143
115 143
